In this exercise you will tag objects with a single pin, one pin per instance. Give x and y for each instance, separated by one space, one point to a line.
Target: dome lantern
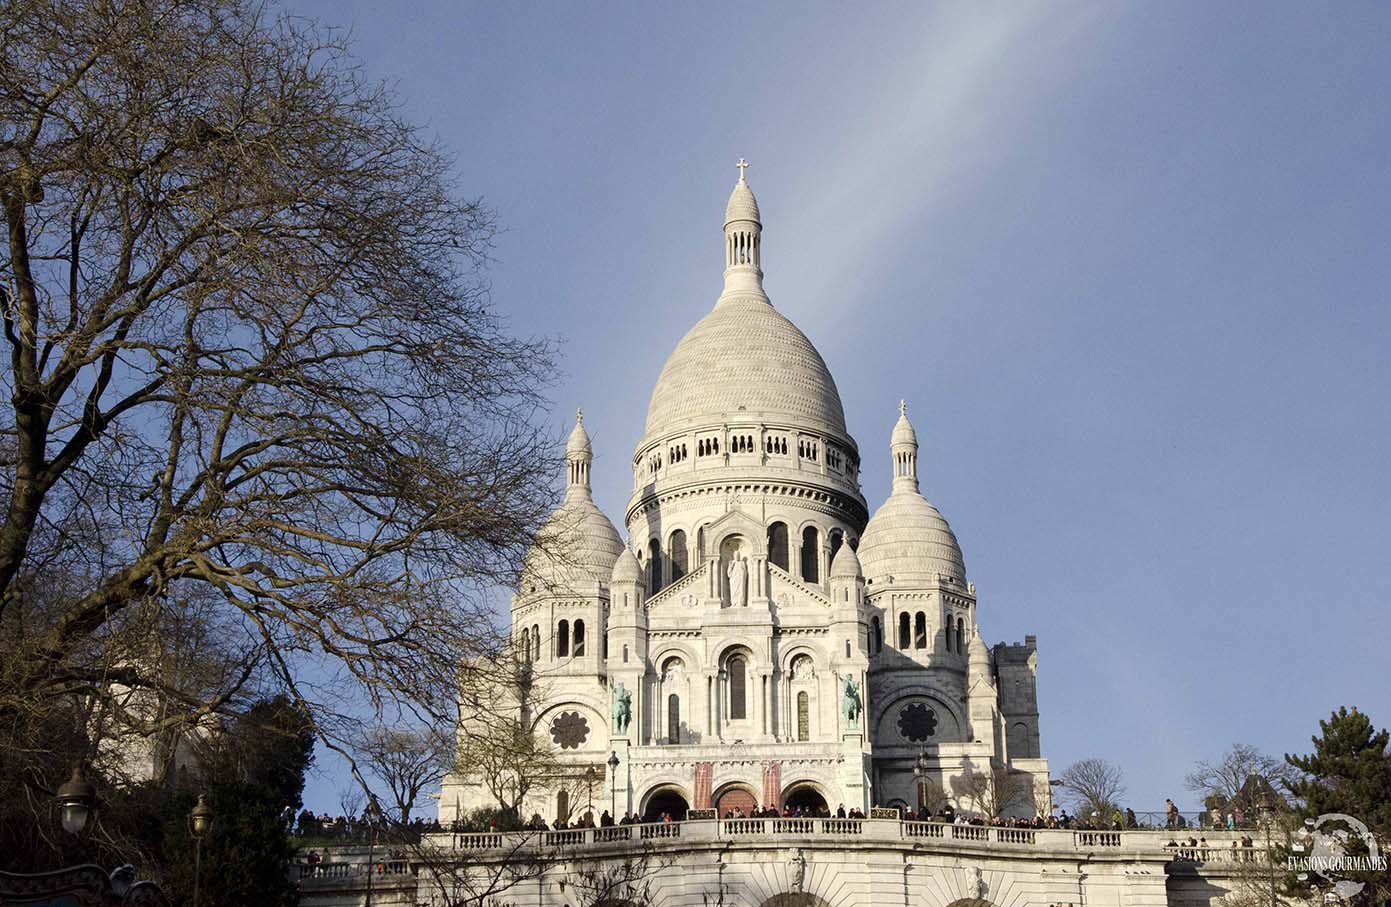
578 456
743 253
903 445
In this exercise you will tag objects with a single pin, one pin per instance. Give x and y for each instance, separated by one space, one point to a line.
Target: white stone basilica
762 640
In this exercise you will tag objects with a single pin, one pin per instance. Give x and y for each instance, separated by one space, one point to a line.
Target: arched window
625 653
674 718
960 635
678 555
536 640
950 647
920 634
876 639
654 567
526 644
562 639
837 539
905 631
777 545
579 637
803 717
811 552
562 806
737 710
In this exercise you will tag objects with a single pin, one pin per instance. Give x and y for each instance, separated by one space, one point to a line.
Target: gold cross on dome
742 165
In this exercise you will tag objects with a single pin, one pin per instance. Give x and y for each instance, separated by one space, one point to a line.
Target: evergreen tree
1349 772
253 779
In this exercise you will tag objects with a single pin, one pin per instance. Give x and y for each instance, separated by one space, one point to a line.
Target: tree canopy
258 405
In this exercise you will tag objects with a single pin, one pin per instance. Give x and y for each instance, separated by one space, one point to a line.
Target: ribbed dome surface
845 563
575 548
907 538
626 569
744 360
742 205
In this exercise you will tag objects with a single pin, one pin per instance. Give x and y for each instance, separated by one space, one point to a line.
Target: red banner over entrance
704 771
772 785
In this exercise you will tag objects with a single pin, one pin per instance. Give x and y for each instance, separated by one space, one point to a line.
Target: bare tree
500 747
253 365
993 790
1221 782
1095 788
407 761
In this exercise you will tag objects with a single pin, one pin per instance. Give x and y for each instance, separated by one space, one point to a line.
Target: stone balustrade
1223 846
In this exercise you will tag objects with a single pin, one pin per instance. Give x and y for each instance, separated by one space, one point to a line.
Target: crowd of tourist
794 812
353 827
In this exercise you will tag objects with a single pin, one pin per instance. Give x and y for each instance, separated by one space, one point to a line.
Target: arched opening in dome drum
777 545
876 636
736 669
837 539
562 639
654 567
579 637
960 635
665 801
679 555
905 631
811 554
920 628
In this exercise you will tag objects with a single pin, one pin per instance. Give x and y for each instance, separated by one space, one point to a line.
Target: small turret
743 242
578 457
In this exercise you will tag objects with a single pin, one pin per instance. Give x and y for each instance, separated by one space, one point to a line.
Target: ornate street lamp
920 777
613 789
200 822
77 801
589 776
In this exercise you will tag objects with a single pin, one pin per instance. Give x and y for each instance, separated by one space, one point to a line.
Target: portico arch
795 899
665 798
735 795
807 796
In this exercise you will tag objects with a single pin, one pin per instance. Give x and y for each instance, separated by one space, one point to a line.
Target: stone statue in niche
850 699
738 582
622 707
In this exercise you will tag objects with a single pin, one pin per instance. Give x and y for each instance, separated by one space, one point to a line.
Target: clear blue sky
1129 264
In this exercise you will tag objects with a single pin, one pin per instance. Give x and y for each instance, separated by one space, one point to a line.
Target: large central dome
744 360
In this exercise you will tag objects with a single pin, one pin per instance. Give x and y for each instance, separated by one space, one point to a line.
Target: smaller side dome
846 564
908 538
626 569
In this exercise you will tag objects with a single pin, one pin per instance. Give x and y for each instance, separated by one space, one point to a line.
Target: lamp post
589 776
613 788
373 815
77 800
200 821
920 778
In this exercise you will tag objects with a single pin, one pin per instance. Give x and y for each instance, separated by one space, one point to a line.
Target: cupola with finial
743 259
578 457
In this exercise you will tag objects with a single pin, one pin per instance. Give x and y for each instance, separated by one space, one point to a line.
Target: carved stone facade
772 637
